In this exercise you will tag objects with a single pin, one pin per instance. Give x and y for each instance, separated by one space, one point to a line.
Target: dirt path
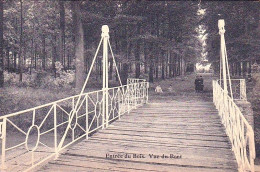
182 89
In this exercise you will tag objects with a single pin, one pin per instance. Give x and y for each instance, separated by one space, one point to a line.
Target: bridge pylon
224 68
106 46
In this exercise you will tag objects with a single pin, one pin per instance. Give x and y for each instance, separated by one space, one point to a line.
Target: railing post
113 103
242 89
55 129
146 92
118 100
135 92
87 130
3 137
128 98
251 149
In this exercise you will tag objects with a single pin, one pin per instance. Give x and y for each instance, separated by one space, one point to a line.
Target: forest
47 47
52 43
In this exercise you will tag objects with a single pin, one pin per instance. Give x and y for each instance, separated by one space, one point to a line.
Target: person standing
201 84
197 84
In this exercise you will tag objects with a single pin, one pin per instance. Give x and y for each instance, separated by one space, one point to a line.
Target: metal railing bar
81 127
7 149
122 100
94 117
63 109
90 131
45 145
7 120
239 131
81 104
46 117
54 128
90 98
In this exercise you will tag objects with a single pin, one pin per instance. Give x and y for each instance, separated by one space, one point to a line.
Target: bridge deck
191 131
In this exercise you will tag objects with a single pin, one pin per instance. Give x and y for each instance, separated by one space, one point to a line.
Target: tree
62 31
21 44
79 45
242 35
1 44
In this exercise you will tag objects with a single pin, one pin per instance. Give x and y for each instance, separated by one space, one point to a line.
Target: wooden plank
112 146
77 162
149 157
171 141
174 126
190 129
158 120
163 134
173 129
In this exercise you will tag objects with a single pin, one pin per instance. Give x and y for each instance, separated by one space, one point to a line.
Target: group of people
199 84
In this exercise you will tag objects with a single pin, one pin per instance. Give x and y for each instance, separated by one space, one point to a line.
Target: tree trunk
100 67
111 68
239 68
151 65
174 71
244 66
171 69
163 65
35 57
235 63
54 54
68 59
1 44
62 33
129 49
145 57
32 55
8 59
43 53
151 71
15 59
166 64
249 67
125 73
157 67
137 53
79 46
21 45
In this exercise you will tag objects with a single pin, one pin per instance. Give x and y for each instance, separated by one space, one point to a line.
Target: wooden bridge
167 136
114 129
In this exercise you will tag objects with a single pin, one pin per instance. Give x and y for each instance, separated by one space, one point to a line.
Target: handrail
135 80
88 118
238 89
240 133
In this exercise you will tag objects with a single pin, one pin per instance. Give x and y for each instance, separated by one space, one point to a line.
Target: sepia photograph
129 86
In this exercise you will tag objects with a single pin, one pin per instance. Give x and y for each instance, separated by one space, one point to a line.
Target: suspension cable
230 86
80 95
114 62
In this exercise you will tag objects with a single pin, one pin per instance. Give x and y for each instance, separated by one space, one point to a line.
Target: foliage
42 79
241 25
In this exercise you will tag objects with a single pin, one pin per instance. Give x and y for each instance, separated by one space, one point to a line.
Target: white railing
238 89
32 136
134 80
240 133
